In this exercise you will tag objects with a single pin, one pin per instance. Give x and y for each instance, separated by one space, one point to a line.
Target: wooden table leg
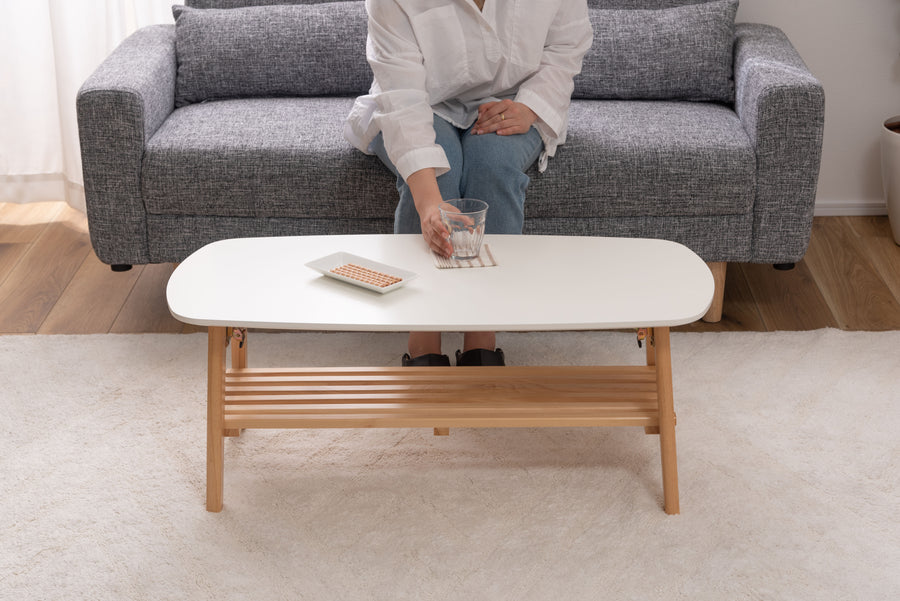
714 314
651 361
663 357
215 419
239 348
239 344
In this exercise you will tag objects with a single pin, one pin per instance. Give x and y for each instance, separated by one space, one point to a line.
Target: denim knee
494 171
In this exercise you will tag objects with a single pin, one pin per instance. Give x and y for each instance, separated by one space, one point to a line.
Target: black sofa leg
120 267
784 266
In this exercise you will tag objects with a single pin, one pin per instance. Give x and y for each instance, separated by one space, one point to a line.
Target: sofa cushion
632 4
298 50
263 157
285 158
242 3
683 52
647 159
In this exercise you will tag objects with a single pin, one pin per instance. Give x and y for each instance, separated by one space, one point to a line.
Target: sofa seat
263 157
648 158
284 157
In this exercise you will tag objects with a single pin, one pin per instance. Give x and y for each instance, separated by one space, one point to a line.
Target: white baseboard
834 208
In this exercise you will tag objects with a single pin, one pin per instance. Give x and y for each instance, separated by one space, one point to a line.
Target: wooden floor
52 283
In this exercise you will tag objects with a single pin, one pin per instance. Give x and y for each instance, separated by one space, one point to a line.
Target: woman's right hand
433 230
427 196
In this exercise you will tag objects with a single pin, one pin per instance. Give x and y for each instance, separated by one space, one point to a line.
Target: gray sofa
683 126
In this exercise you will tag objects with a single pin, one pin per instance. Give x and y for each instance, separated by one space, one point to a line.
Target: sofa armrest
119 107
782 107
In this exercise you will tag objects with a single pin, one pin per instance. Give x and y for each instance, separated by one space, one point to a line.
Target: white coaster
484 259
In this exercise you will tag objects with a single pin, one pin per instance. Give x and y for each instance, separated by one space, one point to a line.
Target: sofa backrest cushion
644 4
635 4
643 49
242 3
679 53
297 50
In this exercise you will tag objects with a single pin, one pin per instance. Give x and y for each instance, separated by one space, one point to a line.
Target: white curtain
47 50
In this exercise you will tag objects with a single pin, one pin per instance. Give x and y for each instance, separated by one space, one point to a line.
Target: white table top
540 283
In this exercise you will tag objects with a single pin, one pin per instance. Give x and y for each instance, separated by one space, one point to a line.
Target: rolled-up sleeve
402 112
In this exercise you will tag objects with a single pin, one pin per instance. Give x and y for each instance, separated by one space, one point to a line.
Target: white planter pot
890 171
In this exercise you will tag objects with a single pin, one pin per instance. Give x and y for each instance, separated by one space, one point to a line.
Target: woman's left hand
504 118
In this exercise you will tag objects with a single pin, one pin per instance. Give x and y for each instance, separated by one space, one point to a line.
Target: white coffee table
540 283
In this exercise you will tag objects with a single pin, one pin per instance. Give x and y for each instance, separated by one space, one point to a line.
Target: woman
467 95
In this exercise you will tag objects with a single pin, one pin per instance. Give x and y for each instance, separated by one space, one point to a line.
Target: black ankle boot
480 356
429 360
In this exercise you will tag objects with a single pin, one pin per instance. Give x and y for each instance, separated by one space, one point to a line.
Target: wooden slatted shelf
395 397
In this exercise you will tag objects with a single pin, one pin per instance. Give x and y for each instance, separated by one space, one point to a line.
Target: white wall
853 47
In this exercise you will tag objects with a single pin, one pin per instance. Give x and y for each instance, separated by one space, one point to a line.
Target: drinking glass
464 219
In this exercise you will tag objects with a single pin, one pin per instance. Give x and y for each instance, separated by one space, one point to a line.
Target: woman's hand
433 230
504 118
427 197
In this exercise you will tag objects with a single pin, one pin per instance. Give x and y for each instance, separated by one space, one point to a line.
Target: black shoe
429 360
480 356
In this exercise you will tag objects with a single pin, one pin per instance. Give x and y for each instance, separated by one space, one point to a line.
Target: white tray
326 264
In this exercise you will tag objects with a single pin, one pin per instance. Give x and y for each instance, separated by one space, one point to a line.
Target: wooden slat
462 395
414 407
437 389
377 421
251 388
640 372
395 384
482 382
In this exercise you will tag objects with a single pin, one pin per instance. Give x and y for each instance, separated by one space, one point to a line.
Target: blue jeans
488 167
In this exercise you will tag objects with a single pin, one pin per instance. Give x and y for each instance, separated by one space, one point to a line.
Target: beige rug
789 466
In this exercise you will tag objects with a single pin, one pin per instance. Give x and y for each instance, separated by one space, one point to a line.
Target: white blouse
446 57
